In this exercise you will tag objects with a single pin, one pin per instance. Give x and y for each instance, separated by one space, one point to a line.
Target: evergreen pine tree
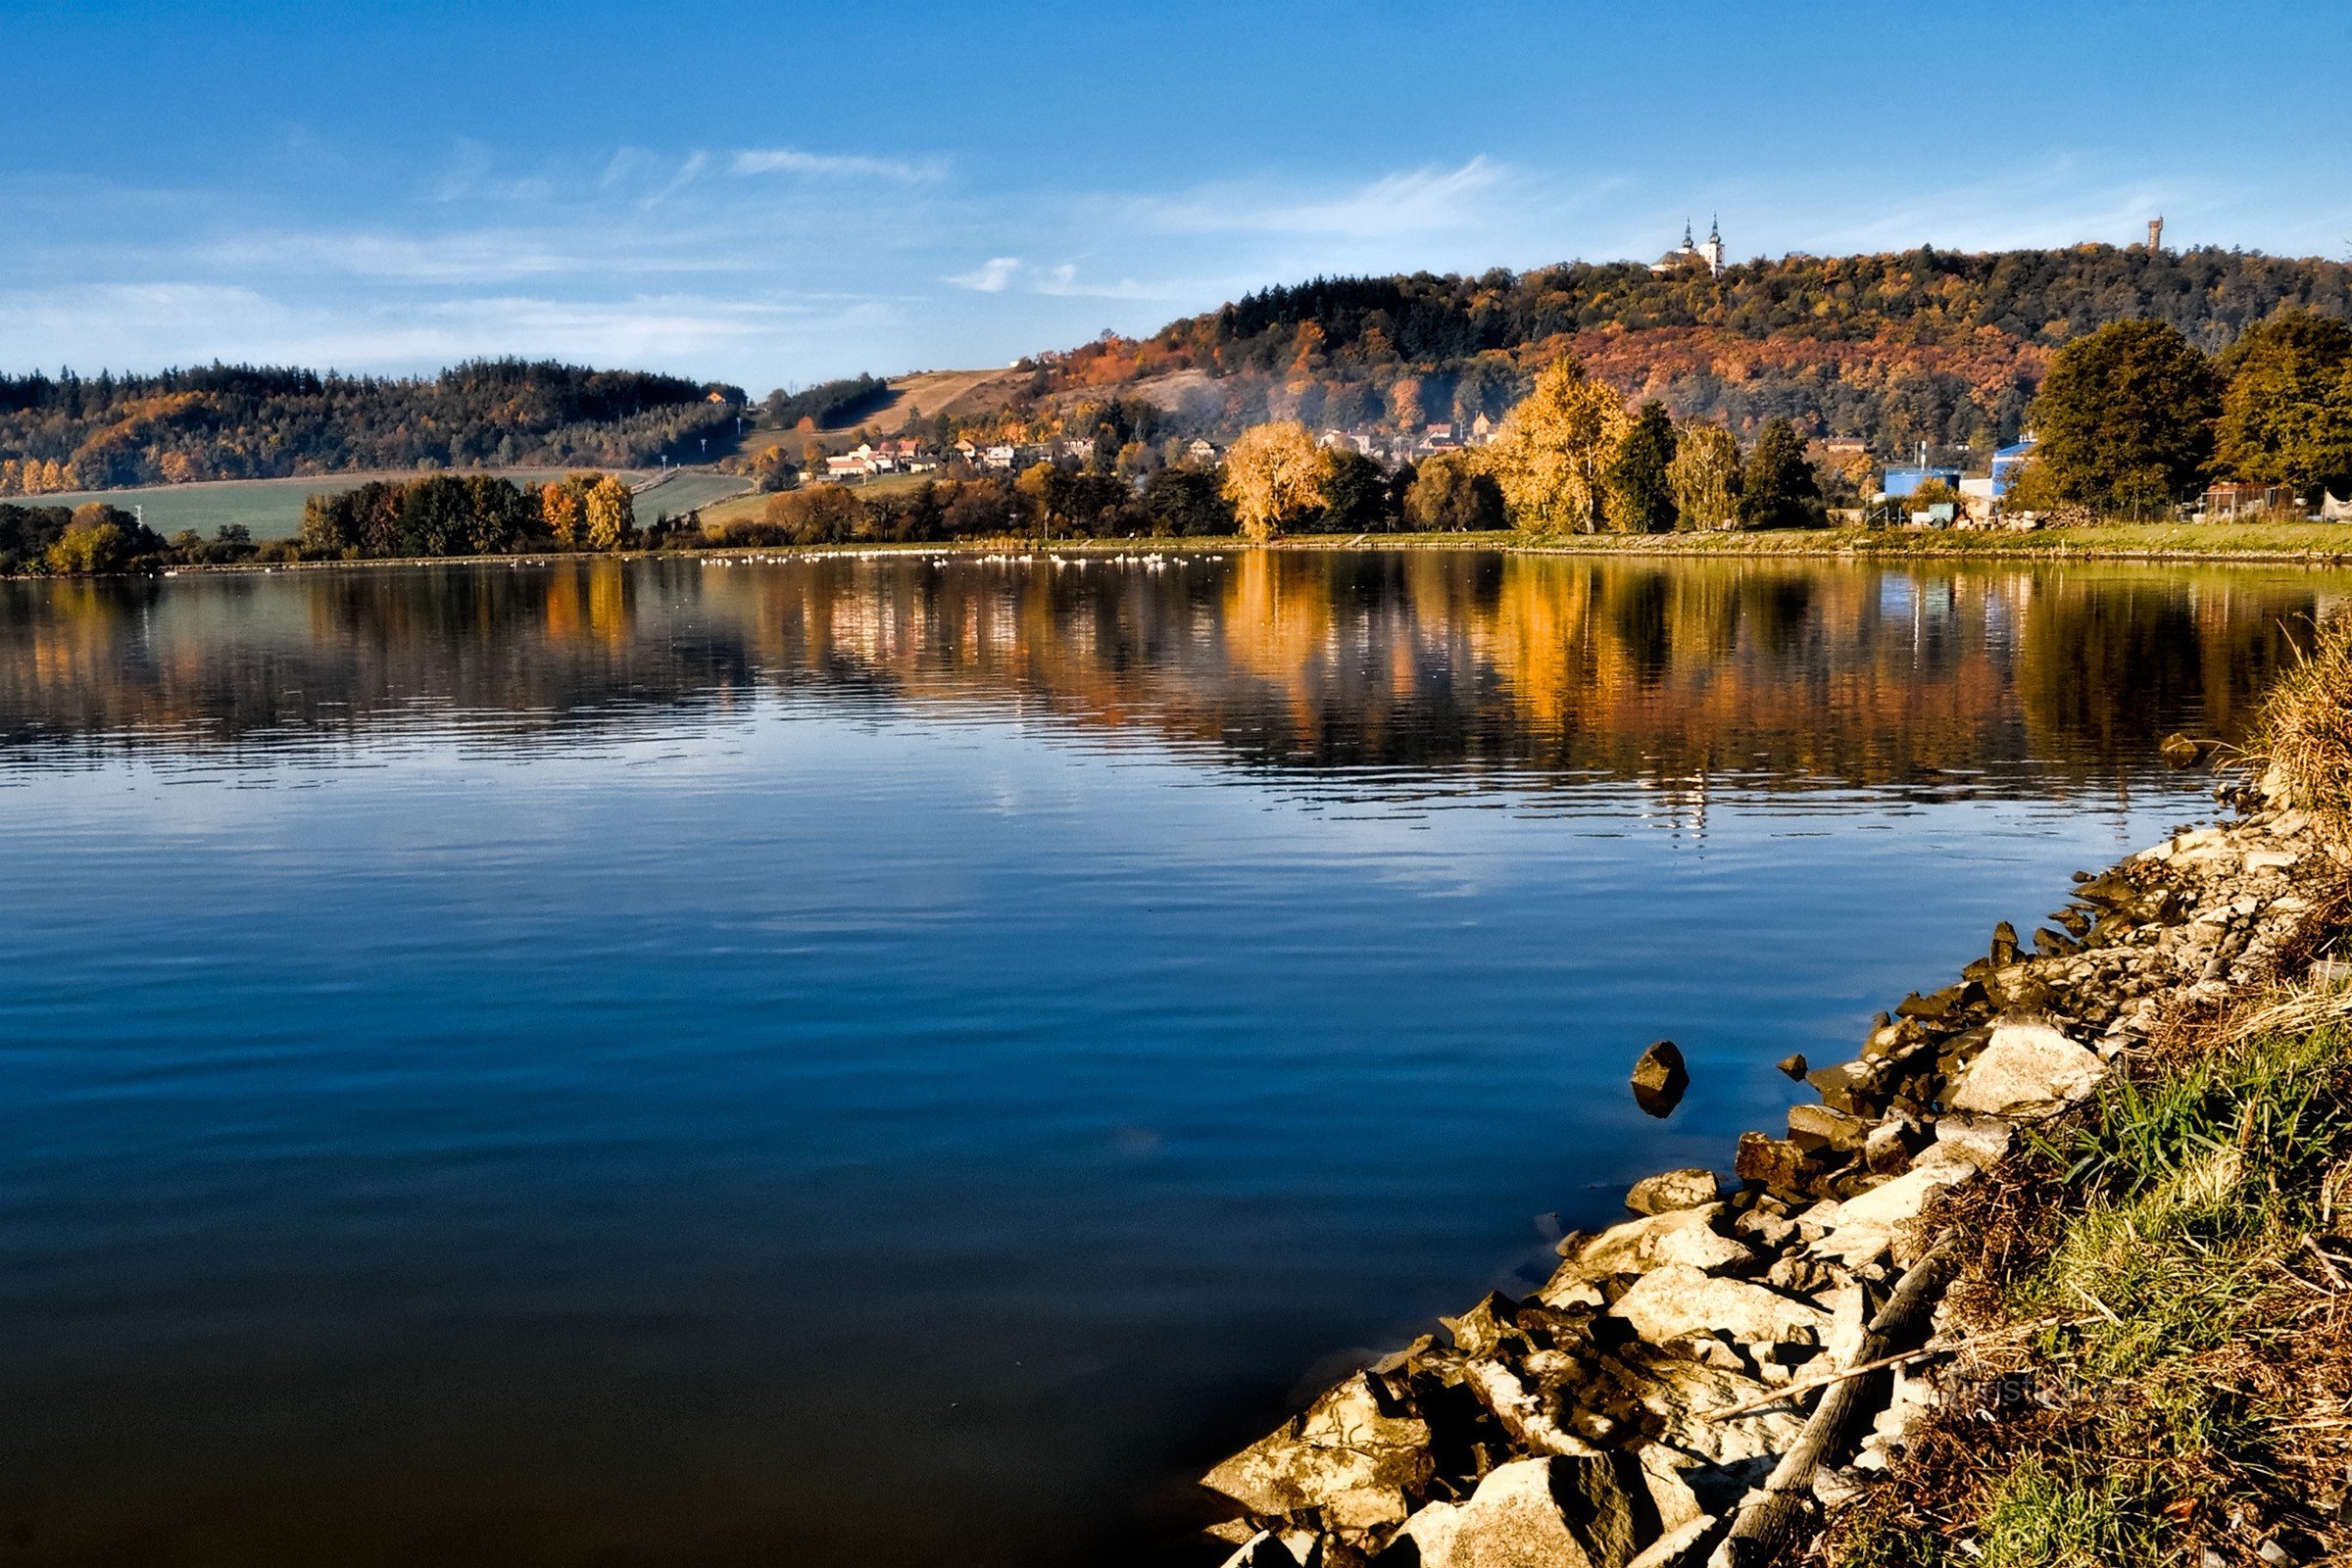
1640 497
1780 489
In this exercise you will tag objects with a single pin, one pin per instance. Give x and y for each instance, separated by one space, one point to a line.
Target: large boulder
1684 1401
1678 1236
2027 1069
1533 1513
1353 1455
1677 1301
1674 1189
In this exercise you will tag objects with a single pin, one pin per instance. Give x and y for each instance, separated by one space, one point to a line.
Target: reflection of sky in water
911 1098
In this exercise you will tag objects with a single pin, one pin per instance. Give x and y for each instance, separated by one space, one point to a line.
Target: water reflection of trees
1558 665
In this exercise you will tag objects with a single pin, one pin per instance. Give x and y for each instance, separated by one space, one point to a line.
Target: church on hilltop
1688 256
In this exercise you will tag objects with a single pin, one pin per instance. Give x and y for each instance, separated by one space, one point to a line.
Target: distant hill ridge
235 422
1922 345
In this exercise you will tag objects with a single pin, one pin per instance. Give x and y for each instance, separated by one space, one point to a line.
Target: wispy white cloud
991 277
686 173
1419 201
1000 275
176 322
794 160
475 257
1064 282
471 175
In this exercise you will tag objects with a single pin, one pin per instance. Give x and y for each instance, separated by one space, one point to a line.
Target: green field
686 492
2116 541
271 509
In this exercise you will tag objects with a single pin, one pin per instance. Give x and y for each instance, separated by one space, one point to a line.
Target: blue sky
775 194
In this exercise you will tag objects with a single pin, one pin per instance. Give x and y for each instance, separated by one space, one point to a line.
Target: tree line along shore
2056 1272
2131 420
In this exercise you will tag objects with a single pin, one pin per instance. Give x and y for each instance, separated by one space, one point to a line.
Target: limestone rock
1977 1141
1533 1513
1885 1151
1659 1078
1520 1410
1677 1303
1350 1454
1897 1201
1682 1397
1672 1191
1684 1547
1485 1326
1775 1163
1263 1550
1670 1495
1429 1533
1703 1249
1683 1234
1793 1064
2028 1068
1825 1127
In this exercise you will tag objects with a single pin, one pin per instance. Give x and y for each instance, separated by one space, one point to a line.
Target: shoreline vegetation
2055 1273
2252 542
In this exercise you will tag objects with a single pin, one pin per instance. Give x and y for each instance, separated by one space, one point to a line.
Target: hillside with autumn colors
235 422
1891 350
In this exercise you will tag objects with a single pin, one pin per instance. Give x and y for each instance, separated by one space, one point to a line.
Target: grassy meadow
271 509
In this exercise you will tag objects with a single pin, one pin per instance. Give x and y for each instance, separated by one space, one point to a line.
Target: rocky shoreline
1702 1383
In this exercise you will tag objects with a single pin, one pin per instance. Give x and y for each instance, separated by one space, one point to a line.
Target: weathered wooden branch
1975 1342
1762 1527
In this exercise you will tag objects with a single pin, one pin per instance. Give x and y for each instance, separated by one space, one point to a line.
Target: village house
2235 498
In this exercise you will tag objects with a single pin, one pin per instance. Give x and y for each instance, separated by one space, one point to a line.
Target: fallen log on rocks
1772 1513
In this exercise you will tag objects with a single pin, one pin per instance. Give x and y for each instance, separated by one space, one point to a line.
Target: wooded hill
247 423
1895 349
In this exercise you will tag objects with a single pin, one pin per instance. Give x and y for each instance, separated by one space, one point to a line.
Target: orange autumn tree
1274 477
564 508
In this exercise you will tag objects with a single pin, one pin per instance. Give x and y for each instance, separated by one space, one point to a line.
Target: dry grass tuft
2305 729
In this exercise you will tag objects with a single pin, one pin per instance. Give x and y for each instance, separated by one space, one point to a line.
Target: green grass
686 492
2045 1517
2167 1293
270 509
2125 540
739 506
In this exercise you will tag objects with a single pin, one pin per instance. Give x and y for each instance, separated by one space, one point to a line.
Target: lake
906 1061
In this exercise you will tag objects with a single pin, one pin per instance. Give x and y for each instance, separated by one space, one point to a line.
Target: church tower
1712 250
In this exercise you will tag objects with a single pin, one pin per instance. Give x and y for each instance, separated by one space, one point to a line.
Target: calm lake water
904 1061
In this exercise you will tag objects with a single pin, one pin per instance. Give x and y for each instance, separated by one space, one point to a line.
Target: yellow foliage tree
1704 476
1555 448
610 517
1274 477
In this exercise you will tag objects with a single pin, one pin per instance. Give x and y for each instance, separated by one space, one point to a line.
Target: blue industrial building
1902 482
2007 464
